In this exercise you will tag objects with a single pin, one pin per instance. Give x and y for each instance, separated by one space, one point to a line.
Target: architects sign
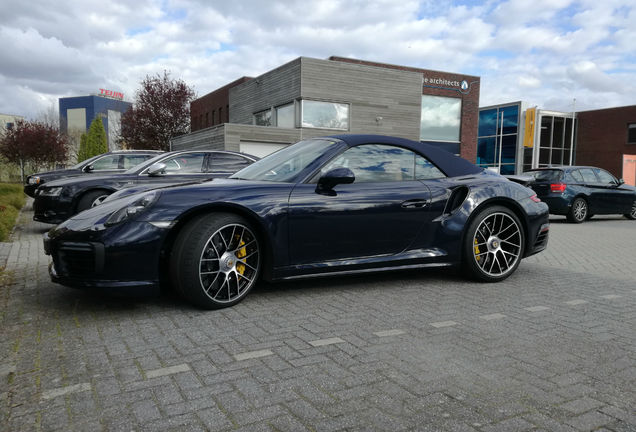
111 94
461 86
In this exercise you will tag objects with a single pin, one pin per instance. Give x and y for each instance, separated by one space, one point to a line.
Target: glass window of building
262 118
498 138
631 133
328 115
285 116
440 119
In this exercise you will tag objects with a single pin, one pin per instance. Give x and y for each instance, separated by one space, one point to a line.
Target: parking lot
551 348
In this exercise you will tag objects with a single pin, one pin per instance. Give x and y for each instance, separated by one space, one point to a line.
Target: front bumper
121 259
51 209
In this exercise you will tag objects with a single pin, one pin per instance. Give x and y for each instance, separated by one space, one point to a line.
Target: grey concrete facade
382 99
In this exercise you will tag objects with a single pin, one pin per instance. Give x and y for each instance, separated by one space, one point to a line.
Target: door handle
414 203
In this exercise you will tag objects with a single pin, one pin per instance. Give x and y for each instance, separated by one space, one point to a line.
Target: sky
555 54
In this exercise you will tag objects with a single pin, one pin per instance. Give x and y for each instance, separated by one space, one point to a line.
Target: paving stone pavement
550 349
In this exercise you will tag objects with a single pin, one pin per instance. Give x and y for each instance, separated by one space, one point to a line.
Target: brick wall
212 109
602 138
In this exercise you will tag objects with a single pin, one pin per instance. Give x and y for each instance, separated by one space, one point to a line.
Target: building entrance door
629 169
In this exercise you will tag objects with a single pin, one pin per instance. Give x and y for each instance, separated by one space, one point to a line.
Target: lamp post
572 134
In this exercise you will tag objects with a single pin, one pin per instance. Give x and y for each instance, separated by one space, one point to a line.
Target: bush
11 201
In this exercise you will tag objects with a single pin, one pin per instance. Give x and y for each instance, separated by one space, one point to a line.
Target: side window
605 177
186 163
424 169
377 163
110 162
132 160
588 175
226 163
576 175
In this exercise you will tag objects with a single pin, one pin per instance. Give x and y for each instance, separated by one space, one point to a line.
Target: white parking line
253 355
50 394
611 296
576 302
155 373
537 308
491 317
441 324
323 342
385 333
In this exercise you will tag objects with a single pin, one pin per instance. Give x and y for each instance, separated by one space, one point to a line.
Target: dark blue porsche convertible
324 206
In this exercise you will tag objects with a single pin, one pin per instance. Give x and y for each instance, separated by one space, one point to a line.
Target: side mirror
88 168
335 177
157 169
620 182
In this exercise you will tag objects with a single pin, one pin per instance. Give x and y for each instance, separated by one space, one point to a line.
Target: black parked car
106 163
324 206
580 192
58 200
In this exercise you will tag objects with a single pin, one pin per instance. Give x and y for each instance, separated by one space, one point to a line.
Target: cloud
546 51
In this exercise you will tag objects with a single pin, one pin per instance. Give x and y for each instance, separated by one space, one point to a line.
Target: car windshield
83 163
546 175
145 164
286 164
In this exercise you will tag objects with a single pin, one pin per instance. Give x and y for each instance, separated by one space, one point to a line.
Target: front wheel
494 244
91 199
215 260
578 212
632 214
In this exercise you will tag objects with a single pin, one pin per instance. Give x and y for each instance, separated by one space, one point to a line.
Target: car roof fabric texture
451 165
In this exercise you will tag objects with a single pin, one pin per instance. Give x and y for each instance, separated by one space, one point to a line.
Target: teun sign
112 94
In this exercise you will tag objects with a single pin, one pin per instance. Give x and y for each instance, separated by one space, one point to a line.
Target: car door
380 213
613 198
592 190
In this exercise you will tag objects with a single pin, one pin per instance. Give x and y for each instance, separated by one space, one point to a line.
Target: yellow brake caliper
241 253
477 257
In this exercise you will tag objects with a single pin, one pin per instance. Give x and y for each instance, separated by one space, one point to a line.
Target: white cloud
546 51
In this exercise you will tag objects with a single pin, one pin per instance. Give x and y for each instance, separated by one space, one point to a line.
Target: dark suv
106 163
580 192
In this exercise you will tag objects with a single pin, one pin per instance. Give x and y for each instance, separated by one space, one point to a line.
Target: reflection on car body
324 206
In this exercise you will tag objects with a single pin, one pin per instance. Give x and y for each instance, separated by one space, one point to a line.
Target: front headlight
132 209
34 180
53 191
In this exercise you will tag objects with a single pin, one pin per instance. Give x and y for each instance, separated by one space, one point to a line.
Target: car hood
173 201
89 180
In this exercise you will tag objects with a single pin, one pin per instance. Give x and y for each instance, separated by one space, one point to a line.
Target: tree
161 111
82 153
96 141
33 142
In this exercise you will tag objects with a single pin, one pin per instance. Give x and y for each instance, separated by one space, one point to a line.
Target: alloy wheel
580 210
98 200
497 244
229 263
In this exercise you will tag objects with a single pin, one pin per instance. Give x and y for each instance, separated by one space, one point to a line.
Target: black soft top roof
451 165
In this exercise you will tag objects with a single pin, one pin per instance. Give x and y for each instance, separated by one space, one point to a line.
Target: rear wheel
91 199
632 214
578 212
494 245
216 260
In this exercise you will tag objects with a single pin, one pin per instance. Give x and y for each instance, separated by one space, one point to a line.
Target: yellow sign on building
528 135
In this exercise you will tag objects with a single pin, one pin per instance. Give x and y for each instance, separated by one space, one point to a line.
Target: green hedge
11 201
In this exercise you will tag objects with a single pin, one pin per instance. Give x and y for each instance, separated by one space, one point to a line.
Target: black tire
91 199
216 260
631 215
578 211
494 245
